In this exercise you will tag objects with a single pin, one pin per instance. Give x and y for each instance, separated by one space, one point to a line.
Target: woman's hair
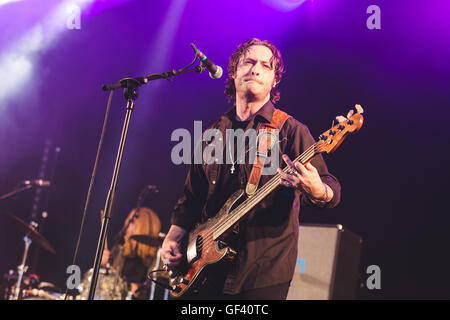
276 62
148 223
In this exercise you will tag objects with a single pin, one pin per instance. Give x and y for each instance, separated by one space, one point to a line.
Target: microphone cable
91 184
149 277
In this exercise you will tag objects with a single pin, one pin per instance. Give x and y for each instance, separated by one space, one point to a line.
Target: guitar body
205 256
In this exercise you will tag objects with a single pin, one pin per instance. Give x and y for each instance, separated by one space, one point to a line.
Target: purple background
393 171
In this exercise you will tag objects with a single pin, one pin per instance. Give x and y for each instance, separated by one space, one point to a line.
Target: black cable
195 58
91 184
165 286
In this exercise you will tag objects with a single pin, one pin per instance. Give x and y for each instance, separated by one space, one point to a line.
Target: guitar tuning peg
332 124
350 113
341 118
358 108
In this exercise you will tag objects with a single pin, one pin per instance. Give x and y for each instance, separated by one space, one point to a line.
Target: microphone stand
130 86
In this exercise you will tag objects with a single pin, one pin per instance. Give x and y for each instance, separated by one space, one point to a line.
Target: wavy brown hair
146 223
276 62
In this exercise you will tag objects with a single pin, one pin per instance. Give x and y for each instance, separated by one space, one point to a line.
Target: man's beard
250 96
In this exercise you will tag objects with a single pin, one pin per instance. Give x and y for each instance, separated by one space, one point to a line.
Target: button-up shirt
268 234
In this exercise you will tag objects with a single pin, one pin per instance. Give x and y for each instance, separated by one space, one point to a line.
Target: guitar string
273 182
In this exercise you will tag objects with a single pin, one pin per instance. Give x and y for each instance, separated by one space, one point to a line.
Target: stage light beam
284 5
16 63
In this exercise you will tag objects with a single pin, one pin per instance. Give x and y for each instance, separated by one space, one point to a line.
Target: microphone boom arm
168 75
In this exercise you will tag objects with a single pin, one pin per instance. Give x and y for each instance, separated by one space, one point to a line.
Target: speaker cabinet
327 263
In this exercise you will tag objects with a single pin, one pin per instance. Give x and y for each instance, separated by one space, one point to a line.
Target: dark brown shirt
267 241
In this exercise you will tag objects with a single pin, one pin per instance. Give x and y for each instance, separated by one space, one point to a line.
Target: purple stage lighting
284 5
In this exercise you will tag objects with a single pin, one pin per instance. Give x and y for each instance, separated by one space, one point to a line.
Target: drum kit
21 285
112 286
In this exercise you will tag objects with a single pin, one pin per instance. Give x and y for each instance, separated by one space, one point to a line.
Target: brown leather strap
266 132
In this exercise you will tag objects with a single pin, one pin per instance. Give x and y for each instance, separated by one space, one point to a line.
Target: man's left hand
305 178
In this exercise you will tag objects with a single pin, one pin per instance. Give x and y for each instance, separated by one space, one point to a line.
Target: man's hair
276 62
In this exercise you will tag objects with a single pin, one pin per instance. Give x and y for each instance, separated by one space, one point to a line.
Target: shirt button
214 182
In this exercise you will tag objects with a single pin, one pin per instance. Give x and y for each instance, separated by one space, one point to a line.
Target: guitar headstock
331 139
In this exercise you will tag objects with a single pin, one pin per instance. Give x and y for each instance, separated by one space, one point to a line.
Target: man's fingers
173 259
300 167
288 160
287 177
171 254
310 167
285 183
175 249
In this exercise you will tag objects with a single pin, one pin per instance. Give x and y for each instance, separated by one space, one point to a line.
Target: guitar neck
241 210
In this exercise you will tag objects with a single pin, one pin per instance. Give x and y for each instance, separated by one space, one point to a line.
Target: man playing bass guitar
265 240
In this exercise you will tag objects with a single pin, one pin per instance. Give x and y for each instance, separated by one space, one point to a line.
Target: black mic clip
198 55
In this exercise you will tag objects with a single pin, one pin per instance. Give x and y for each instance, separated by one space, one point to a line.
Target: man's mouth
254 80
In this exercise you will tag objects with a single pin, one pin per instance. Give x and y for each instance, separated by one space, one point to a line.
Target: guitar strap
267 137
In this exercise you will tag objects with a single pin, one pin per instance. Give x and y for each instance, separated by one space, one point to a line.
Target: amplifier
327 263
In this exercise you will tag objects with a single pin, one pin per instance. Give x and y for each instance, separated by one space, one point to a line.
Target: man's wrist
324 199
176 233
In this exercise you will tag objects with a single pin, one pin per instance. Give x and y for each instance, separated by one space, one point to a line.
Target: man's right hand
170 250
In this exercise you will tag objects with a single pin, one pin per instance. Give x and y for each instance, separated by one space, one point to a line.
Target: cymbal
29 231
148 240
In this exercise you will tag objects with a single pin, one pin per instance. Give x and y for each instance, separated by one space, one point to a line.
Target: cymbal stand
17 190
22 268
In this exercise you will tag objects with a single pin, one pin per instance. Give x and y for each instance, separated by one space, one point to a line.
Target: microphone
40 183
215 71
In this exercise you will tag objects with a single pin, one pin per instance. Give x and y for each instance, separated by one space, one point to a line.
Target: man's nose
256 69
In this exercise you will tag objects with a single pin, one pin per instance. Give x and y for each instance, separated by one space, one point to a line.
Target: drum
110 285
31 288
45 291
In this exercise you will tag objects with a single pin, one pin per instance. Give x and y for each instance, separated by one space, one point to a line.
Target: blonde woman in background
132 259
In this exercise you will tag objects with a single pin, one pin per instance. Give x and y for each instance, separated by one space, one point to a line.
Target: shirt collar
265 113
